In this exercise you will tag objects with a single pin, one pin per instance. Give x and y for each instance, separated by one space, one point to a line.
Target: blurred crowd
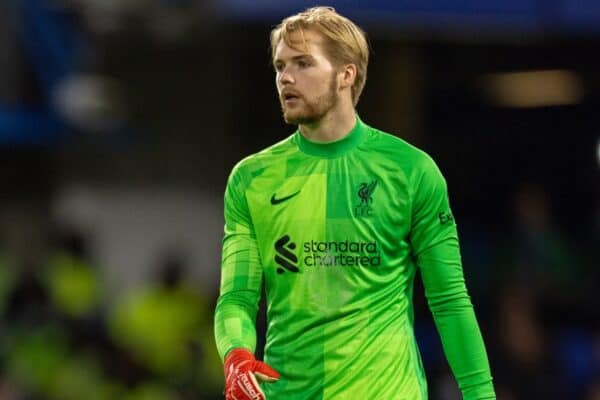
60 339
534 292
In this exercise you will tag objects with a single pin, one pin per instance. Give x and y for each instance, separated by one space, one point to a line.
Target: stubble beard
307 113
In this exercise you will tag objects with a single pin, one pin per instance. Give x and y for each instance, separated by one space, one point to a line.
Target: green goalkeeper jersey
336 232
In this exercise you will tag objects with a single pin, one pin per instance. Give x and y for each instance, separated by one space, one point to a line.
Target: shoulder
404 155
254 164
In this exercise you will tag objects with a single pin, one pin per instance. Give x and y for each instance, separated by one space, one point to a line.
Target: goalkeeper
335 220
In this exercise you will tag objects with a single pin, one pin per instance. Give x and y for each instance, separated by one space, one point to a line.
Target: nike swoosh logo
275 201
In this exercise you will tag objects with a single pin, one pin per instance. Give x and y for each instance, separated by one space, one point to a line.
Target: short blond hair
345 42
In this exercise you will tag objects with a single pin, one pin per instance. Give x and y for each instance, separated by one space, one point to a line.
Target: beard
309 112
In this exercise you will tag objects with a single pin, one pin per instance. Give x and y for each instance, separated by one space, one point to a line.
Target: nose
285 78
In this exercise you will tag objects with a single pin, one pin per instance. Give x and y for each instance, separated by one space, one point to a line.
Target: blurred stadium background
120 120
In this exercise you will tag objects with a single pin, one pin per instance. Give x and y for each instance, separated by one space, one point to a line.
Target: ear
348 75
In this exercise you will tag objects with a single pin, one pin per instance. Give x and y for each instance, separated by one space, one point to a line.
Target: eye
278 67
303 64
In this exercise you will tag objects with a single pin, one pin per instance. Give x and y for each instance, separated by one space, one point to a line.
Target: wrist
236 356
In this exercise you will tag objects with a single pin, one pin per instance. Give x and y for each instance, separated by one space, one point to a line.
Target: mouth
289 98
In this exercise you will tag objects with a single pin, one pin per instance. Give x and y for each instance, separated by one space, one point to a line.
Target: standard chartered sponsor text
341 253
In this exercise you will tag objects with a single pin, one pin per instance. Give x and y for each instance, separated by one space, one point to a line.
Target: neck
333 126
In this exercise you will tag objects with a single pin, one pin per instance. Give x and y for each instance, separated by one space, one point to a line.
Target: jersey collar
335 148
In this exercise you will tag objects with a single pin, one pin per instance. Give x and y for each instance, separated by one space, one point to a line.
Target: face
306 80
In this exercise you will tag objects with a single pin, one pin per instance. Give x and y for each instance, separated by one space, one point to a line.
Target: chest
330 200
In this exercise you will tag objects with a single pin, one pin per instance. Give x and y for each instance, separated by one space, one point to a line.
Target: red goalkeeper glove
241 372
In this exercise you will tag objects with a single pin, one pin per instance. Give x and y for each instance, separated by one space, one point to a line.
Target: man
335 220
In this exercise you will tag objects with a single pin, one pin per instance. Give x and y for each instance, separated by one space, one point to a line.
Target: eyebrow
295 58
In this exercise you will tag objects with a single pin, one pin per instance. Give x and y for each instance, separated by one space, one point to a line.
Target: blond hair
345 43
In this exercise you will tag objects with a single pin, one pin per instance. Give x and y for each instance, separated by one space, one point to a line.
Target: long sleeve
241 274
436 248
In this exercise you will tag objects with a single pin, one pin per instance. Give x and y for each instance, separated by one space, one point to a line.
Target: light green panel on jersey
300 217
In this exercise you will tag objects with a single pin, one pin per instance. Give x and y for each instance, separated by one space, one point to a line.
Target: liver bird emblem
365 191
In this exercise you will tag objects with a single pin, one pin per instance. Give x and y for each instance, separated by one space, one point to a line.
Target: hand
241 372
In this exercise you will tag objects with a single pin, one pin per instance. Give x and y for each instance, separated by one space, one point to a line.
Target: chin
292 118
298 118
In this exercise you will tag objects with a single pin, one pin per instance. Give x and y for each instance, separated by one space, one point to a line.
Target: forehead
306 42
